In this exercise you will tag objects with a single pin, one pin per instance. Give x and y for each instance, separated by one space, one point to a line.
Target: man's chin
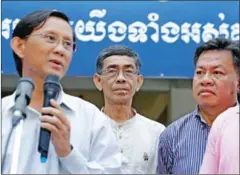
207 104
54 72
120 101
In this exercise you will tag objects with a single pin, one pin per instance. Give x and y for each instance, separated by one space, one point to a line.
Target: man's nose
121 77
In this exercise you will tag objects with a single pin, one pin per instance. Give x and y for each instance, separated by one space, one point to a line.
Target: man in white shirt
82 141
118 78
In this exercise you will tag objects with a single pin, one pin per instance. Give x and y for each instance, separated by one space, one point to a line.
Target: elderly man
118 77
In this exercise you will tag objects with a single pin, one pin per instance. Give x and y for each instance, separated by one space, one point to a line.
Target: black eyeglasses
113 73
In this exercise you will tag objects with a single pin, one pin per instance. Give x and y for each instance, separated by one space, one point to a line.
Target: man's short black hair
221 44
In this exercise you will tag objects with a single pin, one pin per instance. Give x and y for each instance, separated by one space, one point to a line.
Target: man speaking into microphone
81 140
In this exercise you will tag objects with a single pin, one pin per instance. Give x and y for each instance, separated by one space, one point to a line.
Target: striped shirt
182 145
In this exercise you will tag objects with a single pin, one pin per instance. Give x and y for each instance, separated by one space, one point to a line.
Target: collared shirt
95 149
182 145
138 138
222 152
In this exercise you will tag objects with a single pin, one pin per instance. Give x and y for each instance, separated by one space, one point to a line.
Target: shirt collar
132 119
66 101
11 101
134 110
197 114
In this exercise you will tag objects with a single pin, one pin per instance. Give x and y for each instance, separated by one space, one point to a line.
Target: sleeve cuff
74 162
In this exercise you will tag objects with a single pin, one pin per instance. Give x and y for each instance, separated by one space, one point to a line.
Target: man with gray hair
118 77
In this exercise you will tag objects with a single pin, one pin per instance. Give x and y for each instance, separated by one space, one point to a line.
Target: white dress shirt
95 149
138 141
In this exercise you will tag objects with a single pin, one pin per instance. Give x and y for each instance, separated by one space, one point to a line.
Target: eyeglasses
113 73
54 39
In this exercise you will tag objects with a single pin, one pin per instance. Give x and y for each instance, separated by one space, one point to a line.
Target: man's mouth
206 92
56 63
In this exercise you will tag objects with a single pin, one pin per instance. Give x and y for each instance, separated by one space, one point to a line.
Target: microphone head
52 79
52 82
26 85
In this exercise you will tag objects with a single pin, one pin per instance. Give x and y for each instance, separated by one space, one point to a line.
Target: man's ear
18 46
139 82
97 81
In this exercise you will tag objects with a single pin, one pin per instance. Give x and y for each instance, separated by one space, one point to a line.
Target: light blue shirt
95 148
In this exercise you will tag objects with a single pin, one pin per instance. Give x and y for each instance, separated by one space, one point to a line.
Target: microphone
23 96
24 90
52 89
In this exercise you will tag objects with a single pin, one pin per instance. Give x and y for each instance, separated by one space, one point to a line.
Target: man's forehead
56 24
215 59
119 60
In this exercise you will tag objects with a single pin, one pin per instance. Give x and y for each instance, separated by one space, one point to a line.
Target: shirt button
124 163
121 150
